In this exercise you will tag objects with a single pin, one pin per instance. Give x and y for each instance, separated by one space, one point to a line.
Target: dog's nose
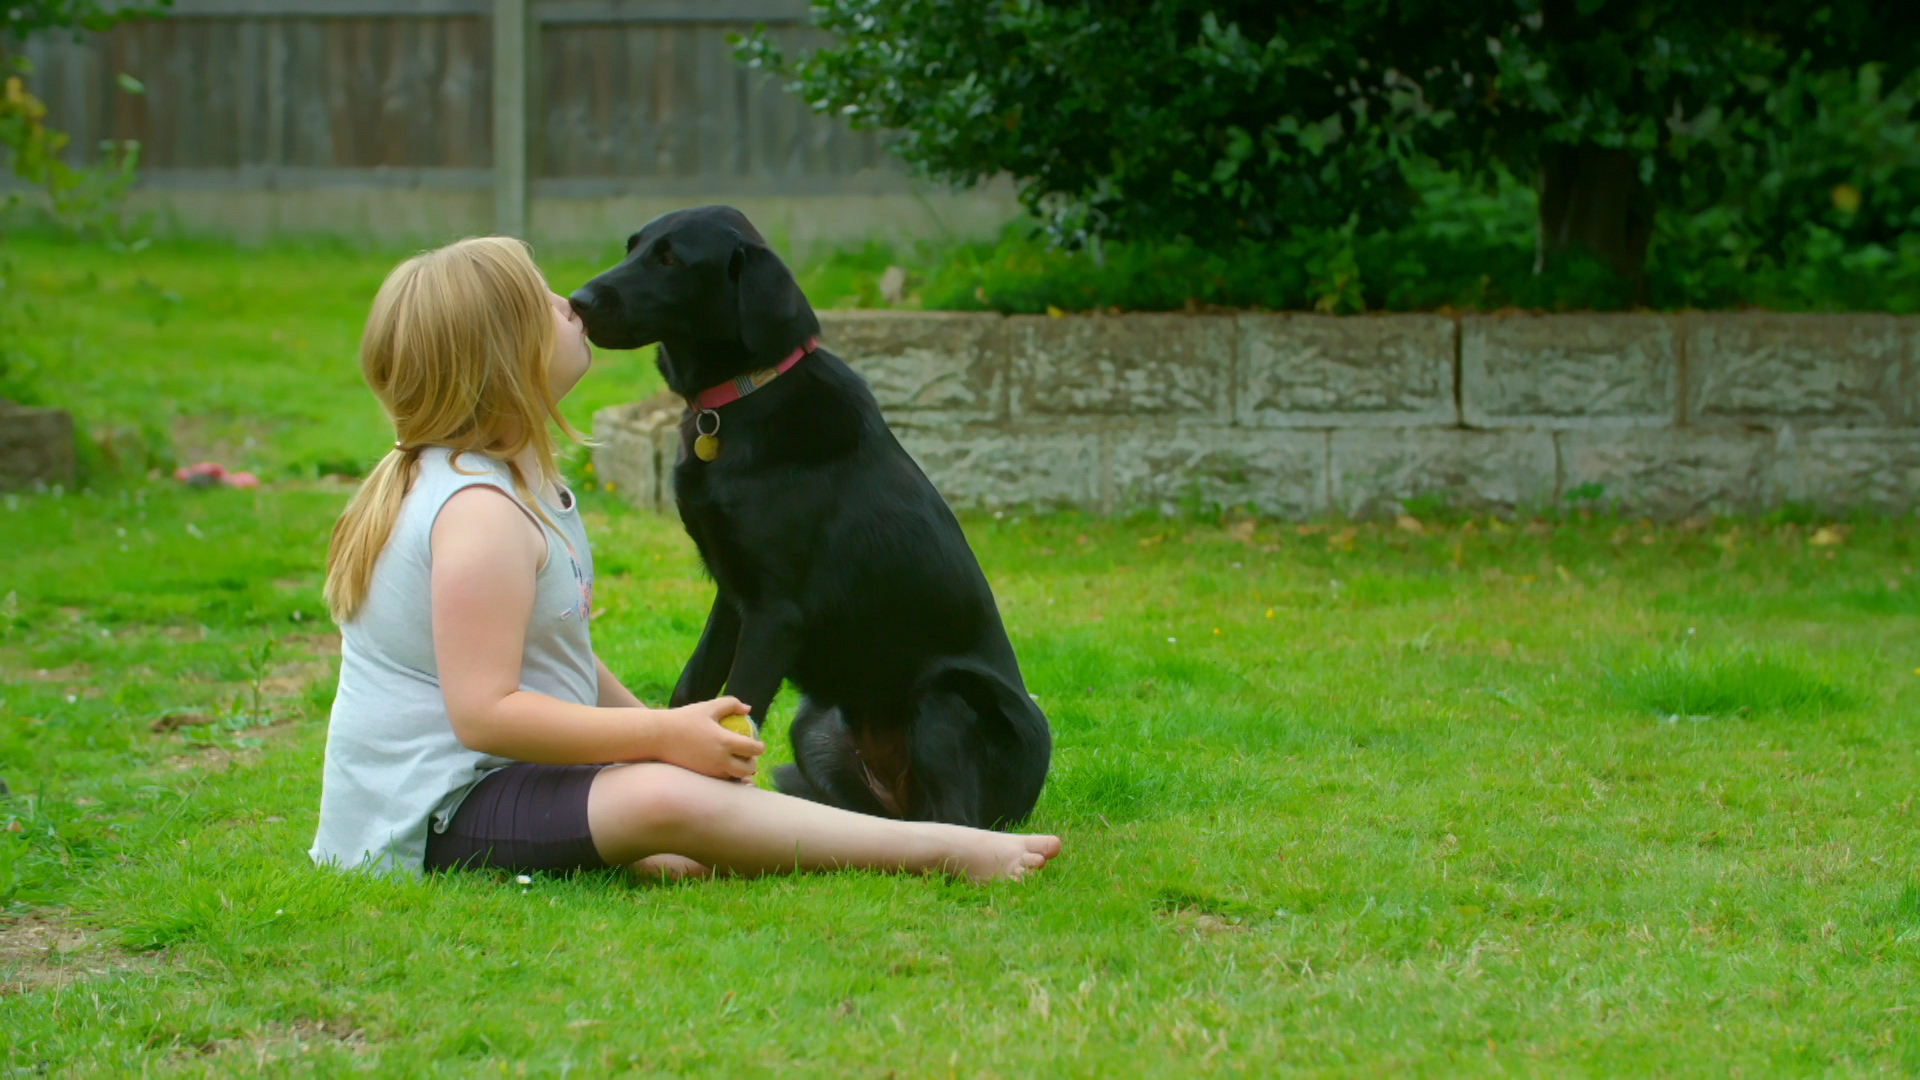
585 299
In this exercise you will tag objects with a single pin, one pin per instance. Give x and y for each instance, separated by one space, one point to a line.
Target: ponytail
362 532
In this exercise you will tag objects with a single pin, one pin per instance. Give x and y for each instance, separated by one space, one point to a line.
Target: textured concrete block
949 364
1375 472
983 465
36 447
1570 371
1282 473
1907 390
1768 370
1843 470
1121 365
1672 474
1107 413
1322 371
634 448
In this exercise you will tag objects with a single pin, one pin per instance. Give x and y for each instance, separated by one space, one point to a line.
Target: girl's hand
692 738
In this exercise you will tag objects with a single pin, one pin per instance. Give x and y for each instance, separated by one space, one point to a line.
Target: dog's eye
667 259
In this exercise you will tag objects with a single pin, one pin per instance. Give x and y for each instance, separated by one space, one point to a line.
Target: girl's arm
614 693
486 555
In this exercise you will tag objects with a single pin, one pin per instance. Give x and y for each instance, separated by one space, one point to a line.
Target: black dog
837 564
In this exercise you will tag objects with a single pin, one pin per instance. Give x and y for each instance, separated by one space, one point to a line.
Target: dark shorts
522 818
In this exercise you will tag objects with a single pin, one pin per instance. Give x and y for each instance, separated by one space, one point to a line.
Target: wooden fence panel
640 95
278 93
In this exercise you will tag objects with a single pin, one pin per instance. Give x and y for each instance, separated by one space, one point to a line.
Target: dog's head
704 282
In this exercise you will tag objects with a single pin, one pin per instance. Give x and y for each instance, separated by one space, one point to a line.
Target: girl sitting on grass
474 727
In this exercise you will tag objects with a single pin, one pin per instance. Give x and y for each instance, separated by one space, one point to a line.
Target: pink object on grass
213 474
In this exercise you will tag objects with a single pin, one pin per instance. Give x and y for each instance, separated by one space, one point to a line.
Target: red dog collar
741 385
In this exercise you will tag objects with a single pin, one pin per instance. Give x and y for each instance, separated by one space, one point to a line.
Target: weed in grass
1695 682
1906 913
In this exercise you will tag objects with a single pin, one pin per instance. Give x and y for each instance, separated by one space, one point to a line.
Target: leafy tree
1117 119
1619 107
1223 120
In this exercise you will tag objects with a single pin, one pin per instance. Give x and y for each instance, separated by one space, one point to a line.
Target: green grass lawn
1586 797
251 356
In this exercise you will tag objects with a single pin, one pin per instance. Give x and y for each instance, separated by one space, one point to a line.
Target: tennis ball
739 724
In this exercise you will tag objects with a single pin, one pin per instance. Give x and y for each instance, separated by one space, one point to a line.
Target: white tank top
394 767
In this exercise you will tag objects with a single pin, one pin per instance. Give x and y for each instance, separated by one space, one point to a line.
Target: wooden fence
564 98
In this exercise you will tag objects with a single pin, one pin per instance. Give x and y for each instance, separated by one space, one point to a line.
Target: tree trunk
1591 199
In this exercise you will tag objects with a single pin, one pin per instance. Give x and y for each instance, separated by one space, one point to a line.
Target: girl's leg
637 811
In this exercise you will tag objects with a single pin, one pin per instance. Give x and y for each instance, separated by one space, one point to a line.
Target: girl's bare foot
670 868
991 856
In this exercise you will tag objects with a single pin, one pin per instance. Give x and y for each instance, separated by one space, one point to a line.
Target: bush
1466 246
88 199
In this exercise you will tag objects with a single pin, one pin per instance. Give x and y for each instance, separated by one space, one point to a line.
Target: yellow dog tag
707 446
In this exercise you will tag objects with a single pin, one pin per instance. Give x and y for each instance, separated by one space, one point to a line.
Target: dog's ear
775 317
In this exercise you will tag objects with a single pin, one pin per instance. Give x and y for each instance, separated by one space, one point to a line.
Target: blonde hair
457 348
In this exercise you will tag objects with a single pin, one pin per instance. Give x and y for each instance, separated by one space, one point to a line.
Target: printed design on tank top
583 610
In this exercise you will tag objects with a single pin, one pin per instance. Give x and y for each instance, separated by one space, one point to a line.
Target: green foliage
1215 122
89 199
86 199
1465 246
1701 96
1194 118
18 18
1832 186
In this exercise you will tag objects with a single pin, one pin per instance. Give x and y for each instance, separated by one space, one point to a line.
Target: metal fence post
511 28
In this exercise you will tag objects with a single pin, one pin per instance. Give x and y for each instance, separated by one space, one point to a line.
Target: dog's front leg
707 668
769 641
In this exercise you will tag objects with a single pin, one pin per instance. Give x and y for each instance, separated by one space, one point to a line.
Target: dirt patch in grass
67 674
177 719
285 684
286 681
290 680
76 679
315 644
253 744
311 661
40 951
1201 923
275 1040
